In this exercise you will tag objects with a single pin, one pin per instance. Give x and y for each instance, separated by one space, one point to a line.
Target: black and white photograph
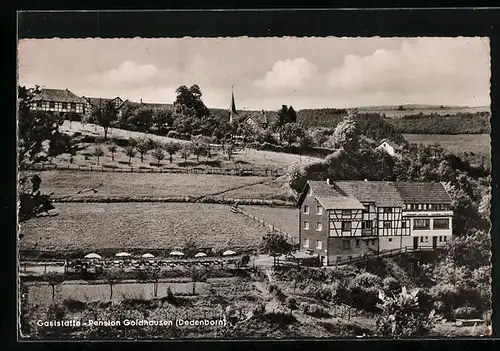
254 188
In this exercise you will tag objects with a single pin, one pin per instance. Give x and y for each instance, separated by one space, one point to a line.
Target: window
442 223
387 210
444 238
421 223
357 243
64 105
403 224
73 106
387 224
52 104
319 210
306 225
424 206
319 226
338 258
367 224
319 244
389 240
440 239
346 226
306 209
346 244
346 212
38 104
419 206
306 242
421 239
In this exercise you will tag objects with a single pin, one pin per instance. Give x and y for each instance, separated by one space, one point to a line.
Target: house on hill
389 147
100 102
59 100
347 219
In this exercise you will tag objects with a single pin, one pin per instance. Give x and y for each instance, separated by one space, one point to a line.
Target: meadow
476 146
79 228
151 185
284 218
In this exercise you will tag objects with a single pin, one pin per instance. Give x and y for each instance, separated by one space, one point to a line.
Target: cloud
128 73
288 74
434 69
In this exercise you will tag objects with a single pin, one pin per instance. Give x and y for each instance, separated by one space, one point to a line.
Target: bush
176 135
291 303
74 305
391 285
314 310
466 312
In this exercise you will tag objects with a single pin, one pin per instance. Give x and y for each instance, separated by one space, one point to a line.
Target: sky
266 72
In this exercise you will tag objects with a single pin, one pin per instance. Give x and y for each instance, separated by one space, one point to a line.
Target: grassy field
285 218
394 111
68 183
243 158
478 144
90 227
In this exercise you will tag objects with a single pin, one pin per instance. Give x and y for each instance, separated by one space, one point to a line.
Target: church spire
232 112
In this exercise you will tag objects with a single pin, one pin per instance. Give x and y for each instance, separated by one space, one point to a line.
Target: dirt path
231 189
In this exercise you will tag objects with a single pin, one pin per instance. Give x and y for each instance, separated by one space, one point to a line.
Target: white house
389 147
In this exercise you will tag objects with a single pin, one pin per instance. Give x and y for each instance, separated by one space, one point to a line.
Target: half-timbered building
343 219
59 101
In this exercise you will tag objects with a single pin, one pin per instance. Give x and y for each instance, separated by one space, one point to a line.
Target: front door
415 243
434 242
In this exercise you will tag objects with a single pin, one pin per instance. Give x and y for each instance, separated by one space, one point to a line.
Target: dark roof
340 202
97 101
423 193
259 117
323 189
58 95
394 146
383 194
158 105
131 104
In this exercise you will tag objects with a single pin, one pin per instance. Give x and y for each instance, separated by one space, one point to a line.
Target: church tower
232 113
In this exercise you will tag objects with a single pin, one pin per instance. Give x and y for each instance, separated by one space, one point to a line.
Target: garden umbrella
228 253
123 254
200 254
148 255
93 256
176 253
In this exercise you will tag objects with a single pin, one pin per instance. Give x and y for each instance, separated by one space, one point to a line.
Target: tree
112 148
106 116
130 152
142 119
143 146
53 279
197 275
346 134
292 133
112 276
190 98
291 115
185 151
274 245
34 127
163 117
403 316
281 121
98 152
158 154
230 150
198 148
171 148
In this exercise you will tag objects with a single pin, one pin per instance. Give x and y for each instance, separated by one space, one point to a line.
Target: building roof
58 95
97 101
158 106
394 145
340 203
383 194
322 189
131 104
423 193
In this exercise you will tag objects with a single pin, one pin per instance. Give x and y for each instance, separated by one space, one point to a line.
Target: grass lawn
285 218
478 144
68 183
90 227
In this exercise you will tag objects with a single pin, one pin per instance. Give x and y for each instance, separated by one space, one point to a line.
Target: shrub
466 312
74 305
391 285
291 303
314 310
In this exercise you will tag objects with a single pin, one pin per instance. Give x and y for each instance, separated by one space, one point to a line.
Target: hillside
396 111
